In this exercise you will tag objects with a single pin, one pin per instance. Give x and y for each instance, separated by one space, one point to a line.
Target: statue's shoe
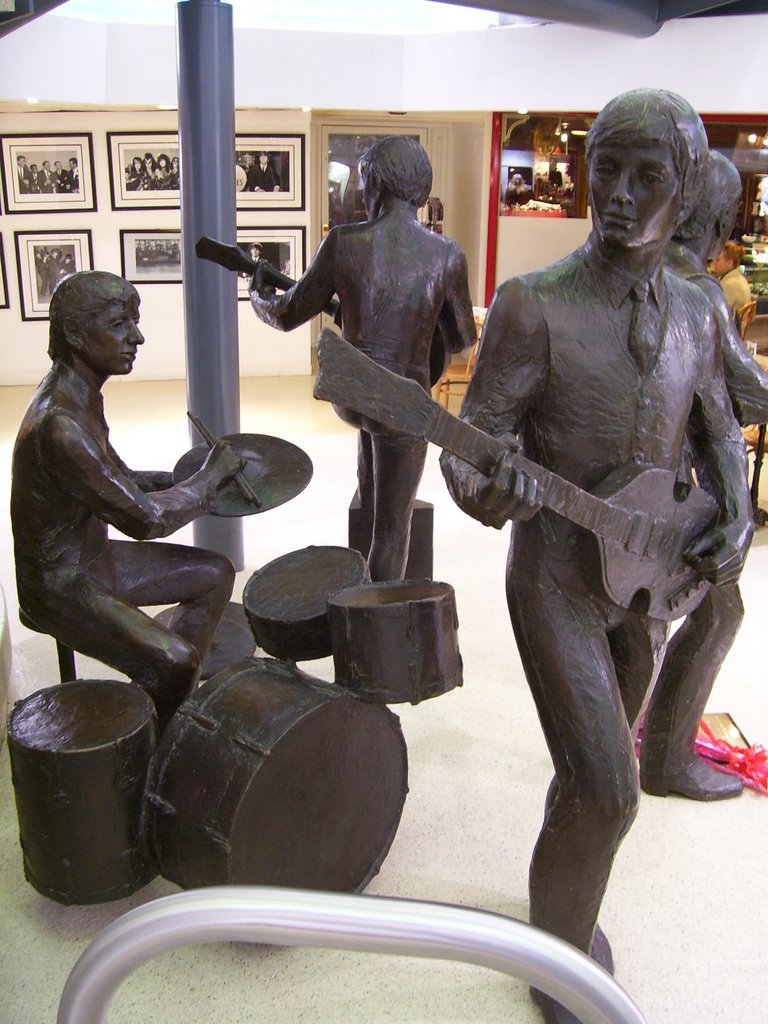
553 1012
699 781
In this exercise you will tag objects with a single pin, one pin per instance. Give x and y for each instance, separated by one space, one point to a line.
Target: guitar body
649 572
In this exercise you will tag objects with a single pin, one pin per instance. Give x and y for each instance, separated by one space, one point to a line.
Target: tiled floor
687 900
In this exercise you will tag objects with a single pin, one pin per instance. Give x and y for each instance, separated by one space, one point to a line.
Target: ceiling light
752 138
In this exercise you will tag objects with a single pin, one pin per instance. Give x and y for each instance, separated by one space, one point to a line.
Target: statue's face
635 194
109 340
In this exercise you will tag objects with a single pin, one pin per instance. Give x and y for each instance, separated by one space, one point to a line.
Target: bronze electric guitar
643 519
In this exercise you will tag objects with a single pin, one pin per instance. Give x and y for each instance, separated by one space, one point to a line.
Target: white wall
528 243
716 63
23 344
460 154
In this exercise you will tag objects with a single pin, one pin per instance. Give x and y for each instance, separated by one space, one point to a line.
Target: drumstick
243 486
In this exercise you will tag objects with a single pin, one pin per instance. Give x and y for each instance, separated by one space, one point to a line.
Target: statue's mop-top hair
78 297
719 201
398 166
652 117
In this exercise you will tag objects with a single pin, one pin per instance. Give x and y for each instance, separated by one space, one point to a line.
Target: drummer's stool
66 656
420 558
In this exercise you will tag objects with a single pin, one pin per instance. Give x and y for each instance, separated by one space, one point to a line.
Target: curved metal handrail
296 917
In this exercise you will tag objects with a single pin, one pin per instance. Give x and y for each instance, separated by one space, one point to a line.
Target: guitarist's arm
457 319
305 299
719 553
512 367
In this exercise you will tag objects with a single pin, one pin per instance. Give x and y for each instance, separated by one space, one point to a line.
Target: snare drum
79 757
286 601
396 641
266 776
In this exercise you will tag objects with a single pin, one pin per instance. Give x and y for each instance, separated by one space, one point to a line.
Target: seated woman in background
725 266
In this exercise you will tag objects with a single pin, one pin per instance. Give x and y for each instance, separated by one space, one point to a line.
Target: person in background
73 175
24 176
263 177
725 267
134 175
162 175
45 177
60 177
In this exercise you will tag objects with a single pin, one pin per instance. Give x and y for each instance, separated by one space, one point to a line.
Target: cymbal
276 469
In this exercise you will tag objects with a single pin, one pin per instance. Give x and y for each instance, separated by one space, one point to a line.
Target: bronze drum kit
266 775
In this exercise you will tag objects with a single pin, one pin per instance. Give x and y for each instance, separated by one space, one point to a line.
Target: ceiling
626 17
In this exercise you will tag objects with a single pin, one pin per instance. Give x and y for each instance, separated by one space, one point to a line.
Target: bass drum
266 776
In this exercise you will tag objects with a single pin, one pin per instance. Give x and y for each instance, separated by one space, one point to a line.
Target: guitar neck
351 379
483 451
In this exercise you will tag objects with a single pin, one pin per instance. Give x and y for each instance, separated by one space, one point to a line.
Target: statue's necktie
644 326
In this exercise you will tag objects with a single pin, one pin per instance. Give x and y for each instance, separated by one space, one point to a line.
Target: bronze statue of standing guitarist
397 284
601 365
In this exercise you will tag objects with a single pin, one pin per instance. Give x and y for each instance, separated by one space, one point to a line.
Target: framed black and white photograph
44 258
48 173
283 248
4 303
151 257
269 172
143 170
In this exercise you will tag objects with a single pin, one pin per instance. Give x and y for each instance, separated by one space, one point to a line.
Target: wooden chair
745 315
456 376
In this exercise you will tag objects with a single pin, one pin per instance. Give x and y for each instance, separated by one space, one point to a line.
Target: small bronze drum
79 757
396 642
286 601
266 776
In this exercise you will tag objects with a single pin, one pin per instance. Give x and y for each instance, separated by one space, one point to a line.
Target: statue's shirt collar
613 282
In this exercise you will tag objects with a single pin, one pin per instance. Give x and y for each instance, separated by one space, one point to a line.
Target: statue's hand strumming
719 553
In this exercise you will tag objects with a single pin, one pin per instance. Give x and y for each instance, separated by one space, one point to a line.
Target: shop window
543 169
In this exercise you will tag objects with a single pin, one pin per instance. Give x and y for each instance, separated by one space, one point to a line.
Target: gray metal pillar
206 86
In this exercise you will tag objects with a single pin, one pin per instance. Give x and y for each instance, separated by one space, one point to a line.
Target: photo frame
4 300
283 247
48 173
143 170
44 258
269 172
151 256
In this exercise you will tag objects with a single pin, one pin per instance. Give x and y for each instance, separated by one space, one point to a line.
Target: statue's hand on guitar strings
719 553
